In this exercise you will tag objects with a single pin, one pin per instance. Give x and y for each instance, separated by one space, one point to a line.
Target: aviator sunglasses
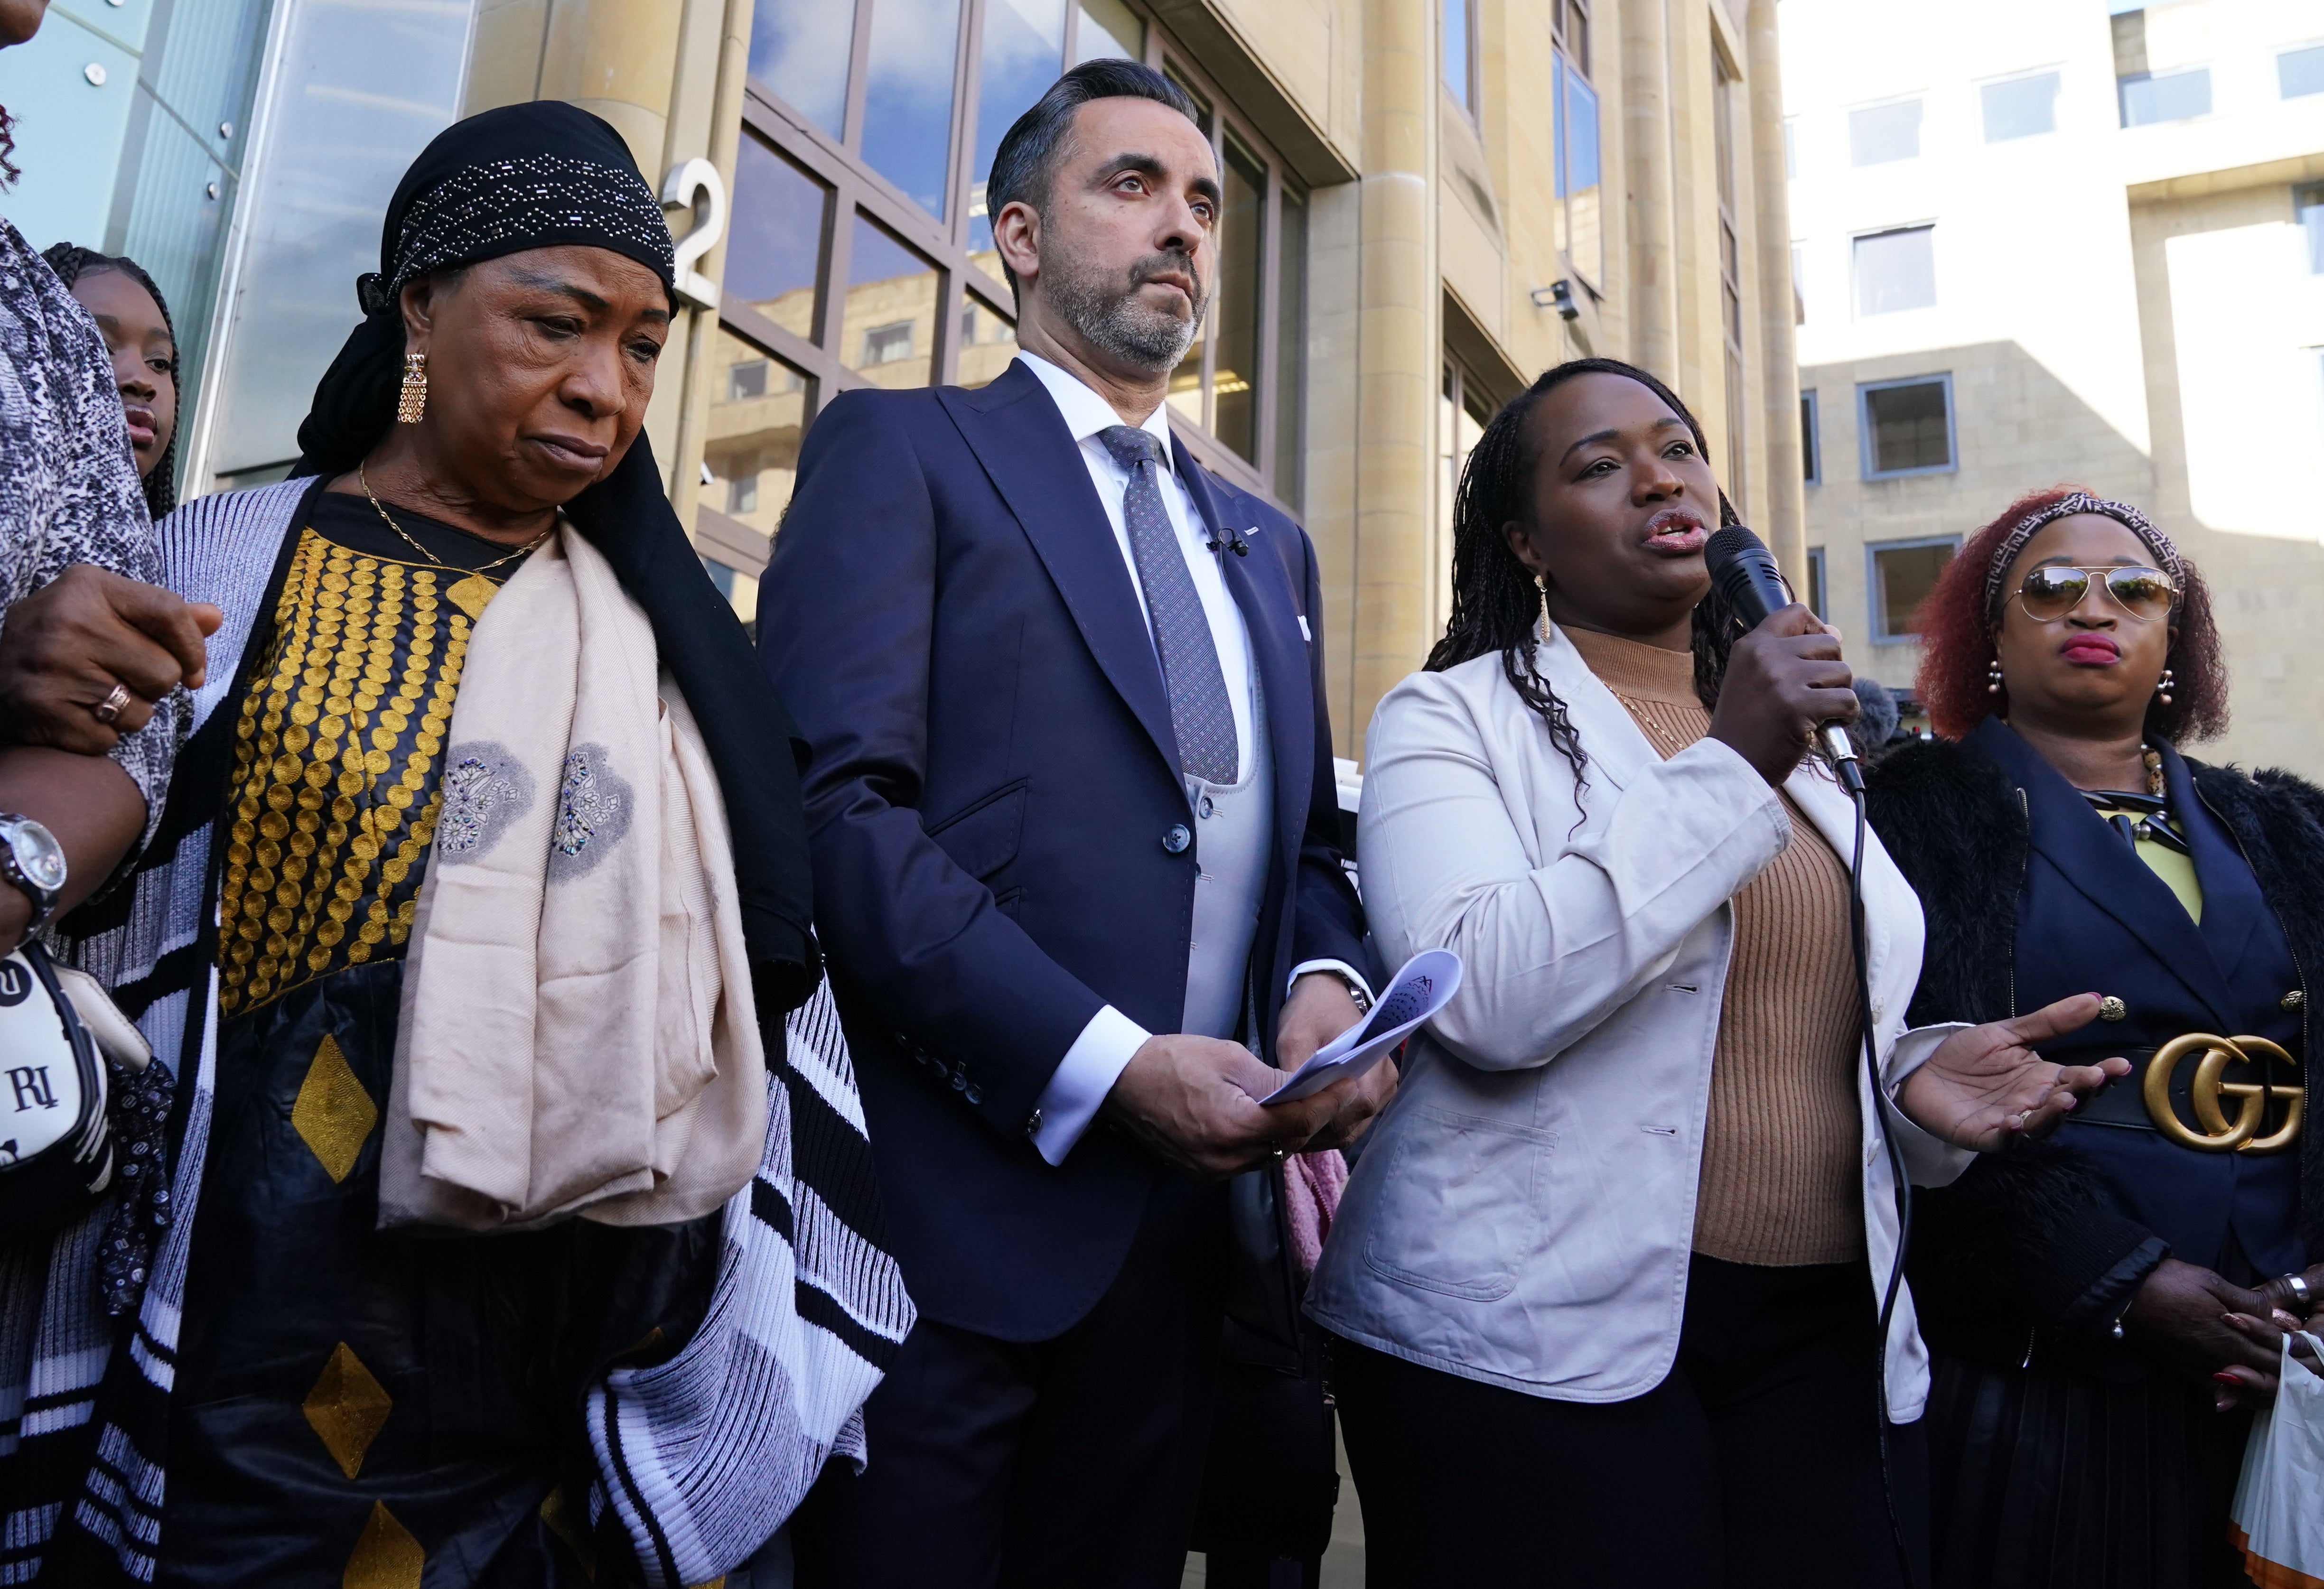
2052 592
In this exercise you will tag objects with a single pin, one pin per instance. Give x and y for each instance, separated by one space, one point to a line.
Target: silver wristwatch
33 861
1356 991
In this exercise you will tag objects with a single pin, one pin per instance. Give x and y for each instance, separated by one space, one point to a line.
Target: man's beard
1110 314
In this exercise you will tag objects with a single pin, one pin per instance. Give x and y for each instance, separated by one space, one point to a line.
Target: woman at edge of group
373 1323
2105 1306
1606 1304
134 318
92 650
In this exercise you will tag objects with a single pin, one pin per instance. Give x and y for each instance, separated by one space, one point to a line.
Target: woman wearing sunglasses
2104 1307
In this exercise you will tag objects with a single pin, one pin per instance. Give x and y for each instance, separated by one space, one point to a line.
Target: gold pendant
472 594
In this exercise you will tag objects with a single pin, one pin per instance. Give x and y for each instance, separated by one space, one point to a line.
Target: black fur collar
1956 827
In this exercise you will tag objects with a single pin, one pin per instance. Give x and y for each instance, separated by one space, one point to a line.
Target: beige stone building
2035 244
1428 202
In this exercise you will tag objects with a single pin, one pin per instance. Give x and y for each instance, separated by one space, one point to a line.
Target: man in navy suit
1072 812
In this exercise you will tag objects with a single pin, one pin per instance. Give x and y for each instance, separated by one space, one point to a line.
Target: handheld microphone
1743 571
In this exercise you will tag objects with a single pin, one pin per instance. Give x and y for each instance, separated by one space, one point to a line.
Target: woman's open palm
1986 1085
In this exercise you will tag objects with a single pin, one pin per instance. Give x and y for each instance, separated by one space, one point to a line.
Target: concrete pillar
1646 161
1399 366
618 58
667 75
1779 375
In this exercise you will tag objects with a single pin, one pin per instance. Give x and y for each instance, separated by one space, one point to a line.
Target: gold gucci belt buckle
2217 1133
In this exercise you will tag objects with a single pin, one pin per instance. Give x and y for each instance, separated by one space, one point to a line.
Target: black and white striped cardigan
701 1457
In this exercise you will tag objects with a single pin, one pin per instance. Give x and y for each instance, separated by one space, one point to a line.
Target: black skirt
2047 1478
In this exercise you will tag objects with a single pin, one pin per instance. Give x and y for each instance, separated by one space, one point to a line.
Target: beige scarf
578 1034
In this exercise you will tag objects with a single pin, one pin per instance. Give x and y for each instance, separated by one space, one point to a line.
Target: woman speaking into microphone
1607 1281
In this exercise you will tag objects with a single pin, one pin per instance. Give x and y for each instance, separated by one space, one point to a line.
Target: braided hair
1497 607
71 262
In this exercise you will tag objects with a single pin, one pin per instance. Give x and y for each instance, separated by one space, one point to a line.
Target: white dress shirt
1105 1046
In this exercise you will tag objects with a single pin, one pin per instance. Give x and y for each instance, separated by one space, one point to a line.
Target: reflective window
337 125
1907 426
1291 342
1569 26
1902 575
889 330
750 457
2307 203
1577 175
1462 411
908 97
1724 112
987 341
1243 304
1109 29
1457 19
1896 271
799 49
2022 108
2169 97
2300 72
756 416
1819 592
774 260
1879 133
1810 445
860 251
1024 42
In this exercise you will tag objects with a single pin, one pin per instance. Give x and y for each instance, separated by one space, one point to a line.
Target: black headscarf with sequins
544 175
540 175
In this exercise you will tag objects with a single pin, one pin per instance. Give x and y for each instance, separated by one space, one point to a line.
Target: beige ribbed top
1781 1179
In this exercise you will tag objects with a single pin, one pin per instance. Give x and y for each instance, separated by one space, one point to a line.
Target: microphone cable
1857 941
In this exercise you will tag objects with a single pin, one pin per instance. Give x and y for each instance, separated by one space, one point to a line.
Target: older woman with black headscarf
488 866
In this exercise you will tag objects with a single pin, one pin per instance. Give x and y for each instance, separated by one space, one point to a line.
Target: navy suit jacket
2093 917
992 782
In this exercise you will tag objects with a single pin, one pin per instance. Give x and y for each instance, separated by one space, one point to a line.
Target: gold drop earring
412 400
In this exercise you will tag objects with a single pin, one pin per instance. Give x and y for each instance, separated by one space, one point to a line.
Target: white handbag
2278 1517
57 1030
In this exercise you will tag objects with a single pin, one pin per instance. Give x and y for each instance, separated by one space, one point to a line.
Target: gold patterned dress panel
337 758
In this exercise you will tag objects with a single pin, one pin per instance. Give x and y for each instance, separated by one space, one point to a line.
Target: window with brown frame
1578 216
1723 110
860 252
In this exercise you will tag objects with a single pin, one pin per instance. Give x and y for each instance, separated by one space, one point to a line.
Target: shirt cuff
1342 967
1083 1078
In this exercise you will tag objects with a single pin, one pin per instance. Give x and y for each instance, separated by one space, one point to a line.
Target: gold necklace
471 594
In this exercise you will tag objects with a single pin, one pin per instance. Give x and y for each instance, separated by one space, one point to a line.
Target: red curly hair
1956 642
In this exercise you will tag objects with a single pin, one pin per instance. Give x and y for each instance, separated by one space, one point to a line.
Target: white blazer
1524 1211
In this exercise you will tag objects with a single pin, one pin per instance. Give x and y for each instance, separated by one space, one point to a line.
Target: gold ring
108 709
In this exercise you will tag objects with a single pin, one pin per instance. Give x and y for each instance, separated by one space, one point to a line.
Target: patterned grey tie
1201 716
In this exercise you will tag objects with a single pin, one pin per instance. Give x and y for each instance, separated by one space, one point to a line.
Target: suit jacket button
2292 1000
1176 840
1033 1123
